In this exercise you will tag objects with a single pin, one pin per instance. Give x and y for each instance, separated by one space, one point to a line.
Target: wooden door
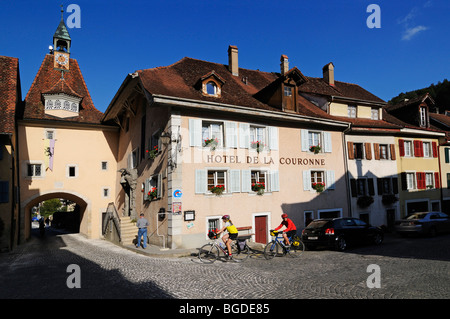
261 229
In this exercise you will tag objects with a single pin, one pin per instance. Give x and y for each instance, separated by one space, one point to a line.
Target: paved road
409 268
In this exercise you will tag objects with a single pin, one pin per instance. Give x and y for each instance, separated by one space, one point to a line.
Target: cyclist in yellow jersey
232 233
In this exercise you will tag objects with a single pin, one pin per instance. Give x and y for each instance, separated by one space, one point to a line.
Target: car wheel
341 243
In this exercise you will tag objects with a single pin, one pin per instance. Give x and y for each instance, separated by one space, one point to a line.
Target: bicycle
210 252
277 247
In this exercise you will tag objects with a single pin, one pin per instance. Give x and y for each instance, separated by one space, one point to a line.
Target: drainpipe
349 198
162 212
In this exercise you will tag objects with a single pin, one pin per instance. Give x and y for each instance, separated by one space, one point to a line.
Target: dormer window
211 84
287 90
211 88
423 116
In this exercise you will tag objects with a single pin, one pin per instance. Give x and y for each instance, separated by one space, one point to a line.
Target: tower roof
62 32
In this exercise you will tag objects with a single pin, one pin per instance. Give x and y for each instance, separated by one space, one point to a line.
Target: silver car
426 223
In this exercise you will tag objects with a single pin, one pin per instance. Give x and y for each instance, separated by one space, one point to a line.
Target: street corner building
187 143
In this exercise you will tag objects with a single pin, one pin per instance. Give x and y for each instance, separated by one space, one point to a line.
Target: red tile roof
10 92
48 80
181 80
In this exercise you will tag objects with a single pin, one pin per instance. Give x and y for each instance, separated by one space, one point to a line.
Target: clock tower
61 45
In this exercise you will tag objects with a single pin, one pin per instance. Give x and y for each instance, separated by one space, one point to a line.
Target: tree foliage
50 206
440 93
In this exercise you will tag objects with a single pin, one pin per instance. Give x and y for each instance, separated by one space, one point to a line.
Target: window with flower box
316 141
153 188
315 179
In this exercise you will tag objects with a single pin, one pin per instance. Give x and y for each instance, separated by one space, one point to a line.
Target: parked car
340 232
425 223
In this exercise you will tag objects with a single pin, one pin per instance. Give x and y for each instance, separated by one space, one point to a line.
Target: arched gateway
64 149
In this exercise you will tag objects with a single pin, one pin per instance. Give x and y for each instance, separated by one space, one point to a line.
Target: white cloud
410 32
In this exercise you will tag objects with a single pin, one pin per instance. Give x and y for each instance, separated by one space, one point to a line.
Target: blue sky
410 50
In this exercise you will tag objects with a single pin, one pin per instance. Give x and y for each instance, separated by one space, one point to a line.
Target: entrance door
261 229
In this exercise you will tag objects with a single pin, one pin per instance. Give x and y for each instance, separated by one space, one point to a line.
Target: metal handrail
111 213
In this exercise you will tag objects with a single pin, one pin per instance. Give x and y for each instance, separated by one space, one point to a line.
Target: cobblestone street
410 268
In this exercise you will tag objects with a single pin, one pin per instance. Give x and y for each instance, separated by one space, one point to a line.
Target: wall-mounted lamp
165 138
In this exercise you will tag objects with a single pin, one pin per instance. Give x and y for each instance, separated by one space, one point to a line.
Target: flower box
258 146
364 201
389 199
218 189
153 153
319 187
258 188
211 143
152 194
315 149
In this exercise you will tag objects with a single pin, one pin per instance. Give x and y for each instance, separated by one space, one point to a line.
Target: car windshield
317 223
417 216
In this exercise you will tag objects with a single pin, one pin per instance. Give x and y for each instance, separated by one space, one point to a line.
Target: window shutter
392 146
380 186
330 180
370 186
1 151
437 181
447 155
404 181
327 142
368 149
159 186
200 181
376 151
351 155
306 180
435 150
401 146
195 132
273 137
146 188
274 181
418 148
420 180
231 134
235 181
353 187
305 140
244 135
246 181
395 185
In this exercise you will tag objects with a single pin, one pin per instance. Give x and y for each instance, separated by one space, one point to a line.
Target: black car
340 232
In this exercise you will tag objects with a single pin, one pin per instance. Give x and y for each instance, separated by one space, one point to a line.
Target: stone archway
27 205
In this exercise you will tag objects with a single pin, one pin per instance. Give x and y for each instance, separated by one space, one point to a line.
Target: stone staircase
128 231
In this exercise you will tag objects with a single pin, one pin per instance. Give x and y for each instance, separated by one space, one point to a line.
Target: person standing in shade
142 224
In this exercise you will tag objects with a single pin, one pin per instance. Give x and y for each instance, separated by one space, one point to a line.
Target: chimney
328 73
284 65
233 60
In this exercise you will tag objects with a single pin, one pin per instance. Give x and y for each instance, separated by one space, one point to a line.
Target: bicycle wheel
272 249
208 253
240 254
297 247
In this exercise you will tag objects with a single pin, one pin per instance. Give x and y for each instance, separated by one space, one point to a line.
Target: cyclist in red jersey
290 230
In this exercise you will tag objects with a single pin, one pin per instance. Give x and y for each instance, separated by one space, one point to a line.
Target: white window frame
209 125
352 111
48 131
411 183
34 163
408 147
219 223
386 147
427 149
256 131
423 116
68 166
215 177
324 140
429 177
374 114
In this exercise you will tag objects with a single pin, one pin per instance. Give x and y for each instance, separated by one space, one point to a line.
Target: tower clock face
61 61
